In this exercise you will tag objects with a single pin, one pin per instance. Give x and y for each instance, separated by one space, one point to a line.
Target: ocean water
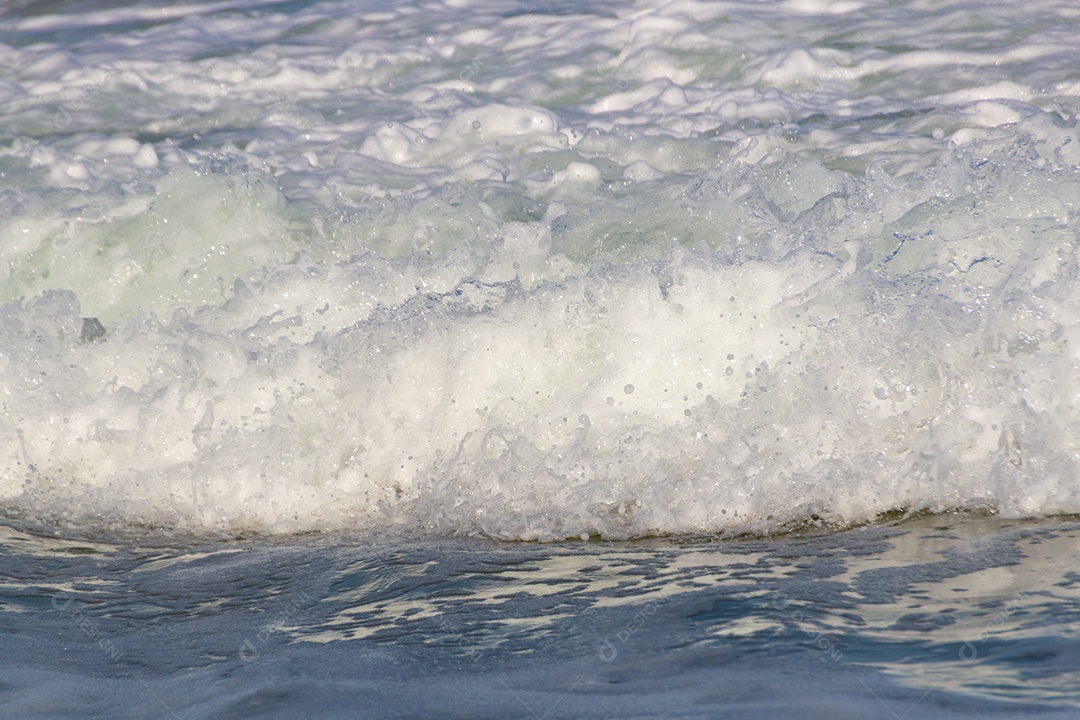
539 359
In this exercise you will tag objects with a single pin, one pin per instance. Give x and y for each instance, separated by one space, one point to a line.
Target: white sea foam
619 271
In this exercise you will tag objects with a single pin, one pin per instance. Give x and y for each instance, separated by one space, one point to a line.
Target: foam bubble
625 274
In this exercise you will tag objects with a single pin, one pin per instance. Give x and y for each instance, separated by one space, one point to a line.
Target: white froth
640 269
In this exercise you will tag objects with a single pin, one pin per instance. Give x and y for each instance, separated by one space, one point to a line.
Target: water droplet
629 389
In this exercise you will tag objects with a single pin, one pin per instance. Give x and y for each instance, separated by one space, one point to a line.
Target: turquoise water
539 360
